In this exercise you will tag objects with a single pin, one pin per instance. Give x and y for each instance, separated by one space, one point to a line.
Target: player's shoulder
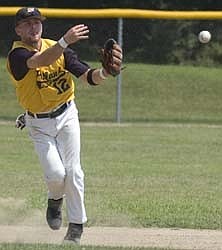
19 52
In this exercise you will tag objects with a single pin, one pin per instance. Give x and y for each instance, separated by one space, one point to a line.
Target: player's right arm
50 55
45 58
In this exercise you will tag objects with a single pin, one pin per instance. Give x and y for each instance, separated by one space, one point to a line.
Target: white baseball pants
57 143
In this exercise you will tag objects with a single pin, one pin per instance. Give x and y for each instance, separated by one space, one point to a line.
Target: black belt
51 114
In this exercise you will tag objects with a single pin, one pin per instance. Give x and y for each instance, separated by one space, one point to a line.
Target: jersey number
61 85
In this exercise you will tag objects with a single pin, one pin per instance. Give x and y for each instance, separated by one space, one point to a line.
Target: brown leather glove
111 57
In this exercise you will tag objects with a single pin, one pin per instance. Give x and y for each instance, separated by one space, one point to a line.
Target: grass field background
138 176
162 168
149 93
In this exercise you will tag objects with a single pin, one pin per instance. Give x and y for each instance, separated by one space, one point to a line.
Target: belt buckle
57 111
52 114
53 111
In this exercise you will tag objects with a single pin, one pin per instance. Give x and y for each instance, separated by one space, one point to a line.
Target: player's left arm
82 70
113 62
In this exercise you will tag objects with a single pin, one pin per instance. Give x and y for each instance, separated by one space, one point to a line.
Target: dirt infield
111 236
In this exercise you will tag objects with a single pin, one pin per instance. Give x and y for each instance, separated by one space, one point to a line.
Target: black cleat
74 233
54 213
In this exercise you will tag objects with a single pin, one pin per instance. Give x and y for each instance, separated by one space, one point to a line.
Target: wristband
63 43
89 77
101 74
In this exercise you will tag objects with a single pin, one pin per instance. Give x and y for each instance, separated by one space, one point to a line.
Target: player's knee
56 184
56 176
56 189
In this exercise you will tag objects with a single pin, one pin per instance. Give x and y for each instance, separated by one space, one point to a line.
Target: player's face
29 30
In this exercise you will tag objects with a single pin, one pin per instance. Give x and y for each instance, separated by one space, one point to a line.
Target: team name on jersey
56 79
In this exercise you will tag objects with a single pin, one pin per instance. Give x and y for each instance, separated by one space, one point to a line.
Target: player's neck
35 45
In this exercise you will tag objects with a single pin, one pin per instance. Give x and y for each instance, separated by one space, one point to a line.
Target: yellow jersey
44 88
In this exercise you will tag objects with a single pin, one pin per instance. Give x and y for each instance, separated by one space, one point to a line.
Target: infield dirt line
128 124
188 239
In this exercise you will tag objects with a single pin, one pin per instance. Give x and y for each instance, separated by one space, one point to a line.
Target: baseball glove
111 57
20 121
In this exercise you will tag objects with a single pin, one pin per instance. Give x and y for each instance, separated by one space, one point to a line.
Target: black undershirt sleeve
73 64
19 56
17 62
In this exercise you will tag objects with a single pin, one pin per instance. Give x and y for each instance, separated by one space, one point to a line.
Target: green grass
149 93
147 174
136 175
156 93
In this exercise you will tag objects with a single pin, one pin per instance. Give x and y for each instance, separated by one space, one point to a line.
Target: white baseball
204 36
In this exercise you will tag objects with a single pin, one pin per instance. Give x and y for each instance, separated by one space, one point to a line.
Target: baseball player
42 72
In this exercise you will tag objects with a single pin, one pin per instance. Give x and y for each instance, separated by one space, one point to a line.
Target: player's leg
51 163
68 141
54 173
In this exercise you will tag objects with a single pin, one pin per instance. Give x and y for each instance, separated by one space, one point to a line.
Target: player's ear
17 30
